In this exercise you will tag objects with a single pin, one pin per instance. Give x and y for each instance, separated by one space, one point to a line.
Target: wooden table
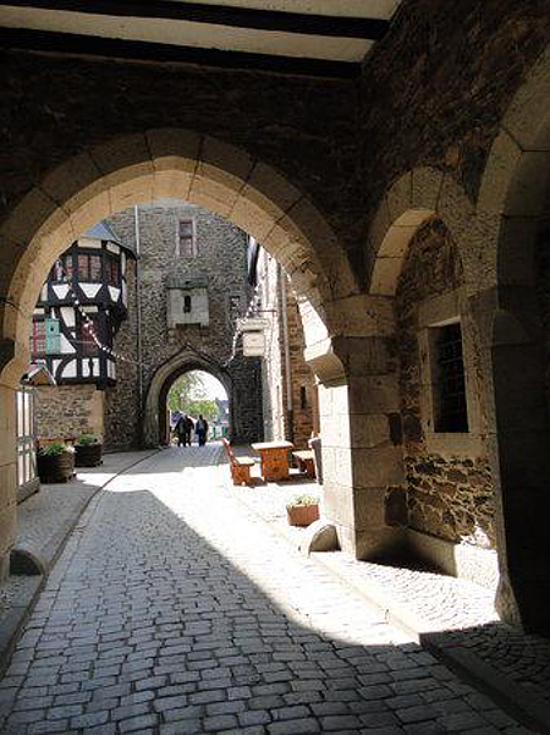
274 459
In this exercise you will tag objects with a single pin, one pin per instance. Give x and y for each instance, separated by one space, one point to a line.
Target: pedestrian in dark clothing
184 429
201 430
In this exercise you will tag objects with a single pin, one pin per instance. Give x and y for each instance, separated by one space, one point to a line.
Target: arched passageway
141 168
157 414
195 393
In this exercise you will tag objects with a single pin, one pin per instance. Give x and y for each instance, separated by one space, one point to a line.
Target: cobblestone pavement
173 610
424 600
41 516
45 518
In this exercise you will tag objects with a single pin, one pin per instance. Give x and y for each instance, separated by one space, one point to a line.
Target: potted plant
89 451
55 462
302 510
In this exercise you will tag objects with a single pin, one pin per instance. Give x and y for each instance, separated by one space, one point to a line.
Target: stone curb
527 707
19 613
531 710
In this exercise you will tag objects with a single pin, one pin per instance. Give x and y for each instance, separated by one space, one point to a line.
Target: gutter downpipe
138 319
289 410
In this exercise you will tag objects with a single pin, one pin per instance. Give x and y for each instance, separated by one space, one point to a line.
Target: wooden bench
240 466
304 460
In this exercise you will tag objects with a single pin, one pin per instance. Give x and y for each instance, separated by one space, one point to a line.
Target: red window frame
113 271
89 267
38 338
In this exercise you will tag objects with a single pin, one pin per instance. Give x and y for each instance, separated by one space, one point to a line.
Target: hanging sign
251 324
253 344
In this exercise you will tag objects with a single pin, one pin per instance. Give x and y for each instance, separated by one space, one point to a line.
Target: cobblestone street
173 610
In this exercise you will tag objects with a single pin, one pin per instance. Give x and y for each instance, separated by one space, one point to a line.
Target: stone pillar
8 503
361 441
519 441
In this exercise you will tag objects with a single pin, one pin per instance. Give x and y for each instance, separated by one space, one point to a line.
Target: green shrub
54 450
86 439
299 500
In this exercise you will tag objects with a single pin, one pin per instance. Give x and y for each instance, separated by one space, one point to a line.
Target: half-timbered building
80 309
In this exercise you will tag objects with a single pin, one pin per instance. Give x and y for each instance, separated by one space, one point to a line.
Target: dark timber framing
142 51
271 20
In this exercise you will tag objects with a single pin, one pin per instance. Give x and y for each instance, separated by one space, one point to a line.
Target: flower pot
55 468
302 515
88 455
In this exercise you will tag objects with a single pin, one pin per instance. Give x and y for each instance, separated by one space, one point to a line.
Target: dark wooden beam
269 20
111 48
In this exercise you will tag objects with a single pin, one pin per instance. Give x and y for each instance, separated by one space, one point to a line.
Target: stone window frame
194 248
438 311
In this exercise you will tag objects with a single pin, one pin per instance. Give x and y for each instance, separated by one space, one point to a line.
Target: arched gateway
102 180
156 420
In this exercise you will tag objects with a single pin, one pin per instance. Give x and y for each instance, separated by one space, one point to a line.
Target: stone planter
88 455
302 515
56 467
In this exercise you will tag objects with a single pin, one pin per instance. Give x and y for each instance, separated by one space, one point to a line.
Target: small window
303 397
38 339
187 238
89 267
68 267
451 410
187 304
113 271
86 335
58 272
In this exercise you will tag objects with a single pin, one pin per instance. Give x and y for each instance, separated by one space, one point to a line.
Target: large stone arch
514 197
412 200
142 167
136 168
164 376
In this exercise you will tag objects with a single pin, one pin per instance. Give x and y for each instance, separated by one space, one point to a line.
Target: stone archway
154 415
514 198
423 201
163 164
136 168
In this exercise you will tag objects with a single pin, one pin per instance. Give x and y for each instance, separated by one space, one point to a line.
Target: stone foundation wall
448 495
67 411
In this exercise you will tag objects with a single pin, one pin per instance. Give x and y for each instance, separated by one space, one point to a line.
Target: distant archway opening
156 425
193 394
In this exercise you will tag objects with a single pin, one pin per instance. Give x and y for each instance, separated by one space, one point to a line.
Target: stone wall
302 126
442 79
122 402
68 411
280 423
221 249
302 379
448 495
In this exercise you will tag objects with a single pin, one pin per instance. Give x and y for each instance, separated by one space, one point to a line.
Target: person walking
184 428
201 430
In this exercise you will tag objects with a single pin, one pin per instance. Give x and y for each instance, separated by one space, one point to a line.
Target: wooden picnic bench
304 460
239 466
